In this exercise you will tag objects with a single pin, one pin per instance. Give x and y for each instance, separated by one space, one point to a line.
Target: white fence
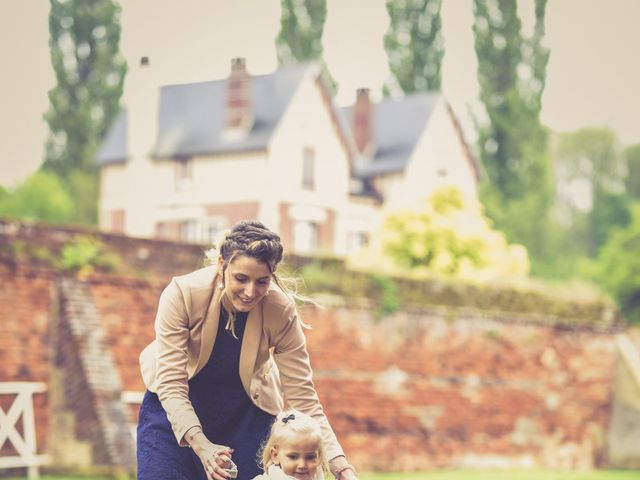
24 444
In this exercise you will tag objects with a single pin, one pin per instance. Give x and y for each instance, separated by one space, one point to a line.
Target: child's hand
215 459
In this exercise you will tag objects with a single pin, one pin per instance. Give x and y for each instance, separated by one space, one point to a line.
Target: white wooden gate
24 444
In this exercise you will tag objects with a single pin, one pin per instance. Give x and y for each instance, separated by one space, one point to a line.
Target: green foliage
301 27
590 198
84 254
631 156
611 211
590 154
387 295
446 235
40 197
414 44
16 249
300 36
512 143
89 70
511 74
84 188
525 220
618 265
316 277
19 251
537 303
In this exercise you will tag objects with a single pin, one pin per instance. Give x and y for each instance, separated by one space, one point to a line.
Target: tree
618 266
512 143
591 154
40 197
89 70
511 74
590 183
300 36
611 211
414 44
631 156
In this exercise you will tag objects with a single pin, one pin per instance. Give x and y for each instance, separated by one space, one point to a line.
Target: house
185 162
270 147
409 147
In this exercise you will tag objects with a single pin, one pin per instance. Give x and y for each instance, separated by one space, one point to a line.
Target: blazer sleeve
172 334
292 359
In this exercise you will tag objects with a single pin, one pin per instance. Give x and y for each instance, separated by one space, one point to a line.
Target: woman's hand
215 458
347 474
342 469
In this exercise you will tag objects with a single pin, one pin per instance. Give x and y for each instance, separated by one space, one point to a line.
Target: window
183 173
356 240
189 231
308 164
213 227
305 237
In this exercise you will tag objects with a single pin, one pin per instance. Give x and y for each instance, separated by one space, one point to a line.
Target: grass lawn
458 475
505 475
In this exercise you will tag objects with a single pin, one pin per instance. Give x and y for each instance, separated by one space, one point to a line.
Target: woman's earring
220 286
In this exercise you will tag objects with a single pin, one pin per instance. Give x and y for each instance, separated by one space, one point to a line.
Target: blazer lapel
250 344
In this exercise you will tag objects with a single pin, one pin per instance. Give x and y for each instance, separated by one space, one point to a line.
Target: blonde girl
294 449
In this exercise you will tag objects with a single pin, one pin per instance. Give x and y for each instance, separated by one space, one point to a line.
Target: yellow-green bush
444 235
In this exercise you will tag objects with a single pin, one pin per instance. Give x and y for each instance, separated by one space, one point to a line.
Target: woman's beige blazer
274 363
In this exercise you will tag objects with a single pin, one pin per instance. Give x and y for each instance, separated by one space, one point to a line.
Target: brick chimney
362 122
239 112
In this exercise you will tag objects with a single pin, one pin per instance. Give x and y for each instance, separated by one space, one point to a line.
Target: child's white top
274 472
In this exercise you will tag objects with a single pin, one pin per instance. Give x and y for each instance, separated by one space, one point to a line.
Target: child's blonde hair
288 425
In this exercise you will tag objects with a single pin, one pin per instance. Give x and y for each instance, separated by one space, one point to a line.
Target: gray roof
191 117
397 127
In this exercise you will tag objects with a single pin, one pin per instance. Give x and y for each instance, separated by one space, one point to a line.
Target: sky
593 74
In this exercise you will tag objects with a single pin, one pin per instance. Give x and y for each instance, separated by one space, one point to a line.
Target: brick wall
38 245
96 379
470 392
438 388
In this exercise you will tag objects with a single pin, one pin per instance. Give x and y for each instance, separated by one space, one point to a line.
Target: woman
229 349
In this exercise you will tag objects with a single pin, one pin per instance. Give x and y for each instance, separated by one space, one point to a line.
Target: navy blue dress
227 415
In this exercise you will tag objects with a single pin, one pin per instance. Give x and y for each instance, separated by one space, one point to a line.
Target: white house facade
185 162
287 163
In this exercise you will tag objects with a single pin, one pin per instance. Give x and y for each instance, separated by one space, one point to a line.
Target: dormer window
183 173
308 167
